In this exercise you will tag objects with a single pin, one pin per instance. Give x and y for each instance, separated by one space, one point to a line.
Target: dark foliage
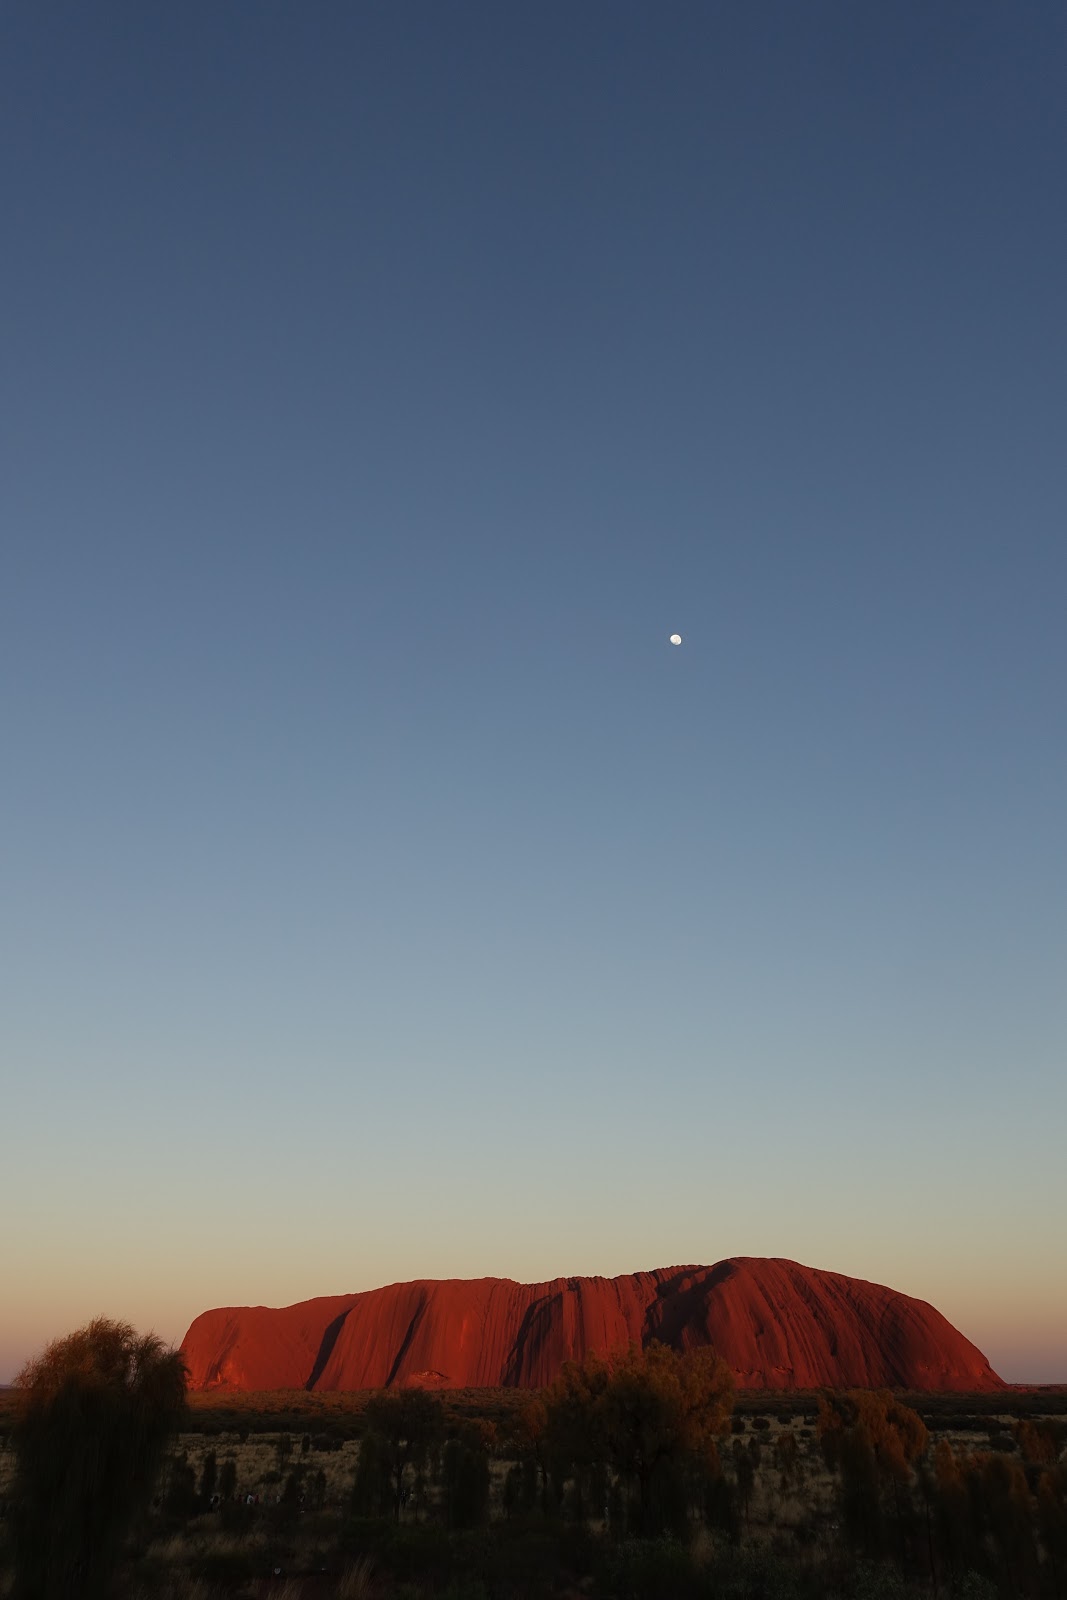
95 1411
465 1480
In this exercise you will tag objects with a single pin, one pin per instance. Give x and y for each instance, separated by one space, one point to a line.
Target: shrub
1040 1442
180 1499
465 1476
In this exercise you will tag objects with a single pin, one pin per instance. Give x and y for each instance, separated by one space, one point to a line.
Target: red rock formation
778 1326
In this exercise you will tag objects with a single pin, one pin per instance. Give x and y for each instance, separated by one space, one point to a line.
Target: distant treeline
340 1413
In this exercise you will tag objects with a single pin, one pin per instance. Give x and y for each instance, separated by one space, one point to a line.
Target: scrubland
495 1494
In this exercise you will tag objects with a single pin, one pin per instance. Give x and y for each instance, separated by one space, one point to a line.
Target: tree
1052 1522
744 1474
653 1416
952 1511
179 1488
663 1415
317 1494
208 1478
372 1488
1001 1498
529 1440
94 1413
874 1443
787 1459
465 1478
402 1430
573 1440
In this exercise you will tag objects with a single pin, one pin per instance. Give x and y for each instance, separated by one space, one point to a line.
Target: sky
384 896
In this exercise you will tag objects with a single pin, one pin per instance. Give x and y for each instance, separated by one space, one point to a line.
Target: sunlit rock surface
777 1324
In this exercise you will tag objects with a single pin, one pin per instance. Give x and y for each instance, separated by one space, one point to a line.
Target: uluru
777 1324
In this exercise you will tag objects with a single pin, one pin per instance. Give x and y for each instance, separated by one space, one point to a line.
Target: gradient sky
383 896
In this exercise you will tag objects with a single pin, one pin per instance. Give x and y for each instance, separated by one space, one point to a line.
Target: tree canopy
646 1415
94 1414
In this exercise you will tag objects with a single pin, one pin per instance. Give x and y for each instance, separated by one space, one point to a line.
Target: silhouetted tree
405 1427
952 1512
94 1414
465 1479
653 1416
530 1439
744 1475
372 1488
874 1443
1000 1489
1052 1522
286 1512
786 1458
208 1476
573 1435
179 1497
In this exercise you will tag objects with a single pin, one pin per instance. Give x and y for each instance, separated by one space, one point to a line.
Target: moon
676 638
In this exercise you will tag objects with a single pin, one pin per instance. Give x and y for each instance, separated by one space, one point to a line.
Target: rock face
778 1325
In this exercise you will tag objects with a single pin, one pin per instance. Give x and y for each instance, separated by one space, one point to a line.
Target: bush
180 1499
465 1477
94 1414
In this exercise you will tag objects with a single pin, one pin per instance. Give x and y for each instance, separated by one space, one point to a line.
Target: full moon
676 638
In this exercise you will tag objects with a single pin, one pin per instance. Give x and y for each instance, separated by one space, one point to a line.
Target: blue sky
384 896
